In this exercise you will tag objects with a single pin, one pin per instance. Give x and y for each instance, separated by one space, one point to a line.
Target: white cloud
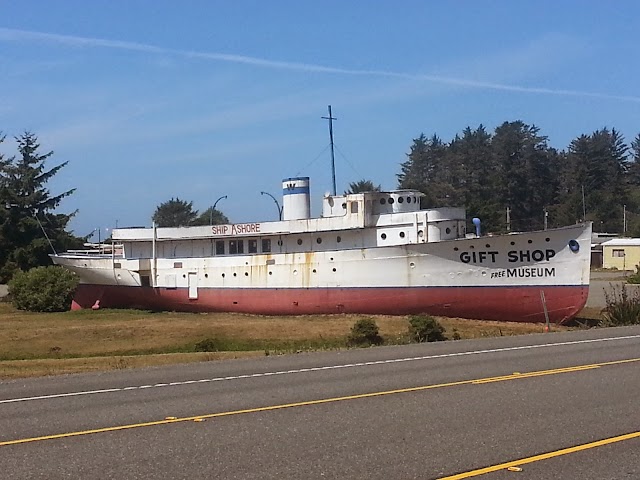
14 35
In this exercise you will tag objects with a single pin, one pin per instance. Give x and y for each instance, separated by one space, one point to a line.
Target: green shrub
634 278
424 328
43 289
365 332
623 306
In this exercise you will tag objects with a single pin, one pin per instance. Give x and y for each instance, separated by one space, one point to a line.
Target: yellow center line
515 376
543 456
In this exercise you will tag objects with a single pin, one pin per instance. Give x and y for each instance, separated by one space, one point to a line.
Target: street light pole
277 204
213 208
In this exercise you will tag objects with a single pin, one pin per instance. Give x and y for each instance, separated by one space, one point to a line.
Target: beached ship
369 253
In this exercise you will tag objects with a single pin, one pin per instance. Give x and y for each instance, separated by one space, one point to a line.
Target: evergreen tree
425 169
26 210
175 213
209 217
363 186
634 166
527 173
479 182
600 162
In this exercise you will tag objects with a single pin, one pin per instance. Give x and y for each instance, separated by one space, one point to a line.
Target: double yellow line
542 456
479 381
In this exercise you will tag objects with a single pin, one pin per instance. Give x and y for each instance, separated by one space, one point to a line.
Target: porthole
391 200
246 274
513 243
314 270
420 233
383 236
235 274
280 243
295 272
409 199
206 275
529 241
574 246
334 269
547 239
472 247
447 230
401 234
270 273
383 201
488 246
400 199
299 241
331 259
412 265
223 275
318 240
338 239
184 276
344 206
455 249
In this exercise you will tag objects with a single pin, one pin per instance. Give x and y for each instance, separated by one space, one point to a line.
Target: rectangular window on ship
266 245
236 246
253 245
219 247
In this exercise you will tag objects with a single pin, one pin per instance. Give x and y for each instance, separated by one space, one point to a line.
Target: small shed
621 253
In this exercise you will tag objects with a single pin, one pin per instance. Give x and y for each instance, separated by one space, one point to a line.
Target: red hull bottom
516 304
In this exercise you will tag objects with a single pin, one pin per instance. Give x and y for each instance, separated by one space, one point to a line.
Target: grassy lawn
35 344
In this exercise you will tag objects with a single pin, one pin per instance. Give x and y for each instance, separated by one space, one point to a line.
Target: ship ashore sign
236 229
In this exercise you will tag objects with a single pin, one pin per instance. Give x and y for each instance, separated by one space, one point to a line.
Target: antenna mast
333 161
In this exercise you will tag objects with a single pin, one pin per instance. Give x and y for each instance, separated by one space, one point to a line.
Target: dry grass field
34 344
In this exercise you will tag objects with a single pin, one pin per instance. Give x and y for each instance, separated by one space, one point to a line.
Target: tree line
511 178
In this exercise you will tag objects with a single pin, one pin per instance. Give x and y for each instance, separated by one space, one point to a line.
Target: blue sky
150 100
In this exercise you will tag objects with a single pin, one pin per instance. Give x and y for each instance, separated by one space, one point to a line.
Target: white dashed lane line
313 369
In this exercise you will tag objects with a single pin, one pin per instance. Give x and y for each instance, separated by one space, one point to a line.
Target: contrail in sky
13 35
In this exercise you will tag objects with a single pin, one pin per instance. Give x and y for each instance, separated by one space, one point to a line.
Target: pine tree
527 172
175 213
209 217
363 186
27 210
600 164
426 170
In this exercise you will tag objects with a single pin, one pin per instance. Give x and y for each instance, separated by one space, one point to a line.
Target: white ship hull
507 277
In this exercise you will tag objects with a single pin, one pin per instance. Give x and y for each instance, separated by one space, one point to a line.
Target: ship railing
99 250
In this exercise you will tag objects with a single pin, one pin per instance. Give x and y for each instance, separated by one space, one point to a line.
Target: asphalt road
419 411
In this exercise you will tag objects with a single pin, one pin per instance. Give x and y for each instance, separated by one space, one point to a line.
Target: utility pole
584 207
546 216
508 219
624 220
333 161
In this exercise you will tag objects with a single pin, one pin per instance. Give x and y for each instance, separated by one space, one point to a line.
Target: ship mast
333 161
